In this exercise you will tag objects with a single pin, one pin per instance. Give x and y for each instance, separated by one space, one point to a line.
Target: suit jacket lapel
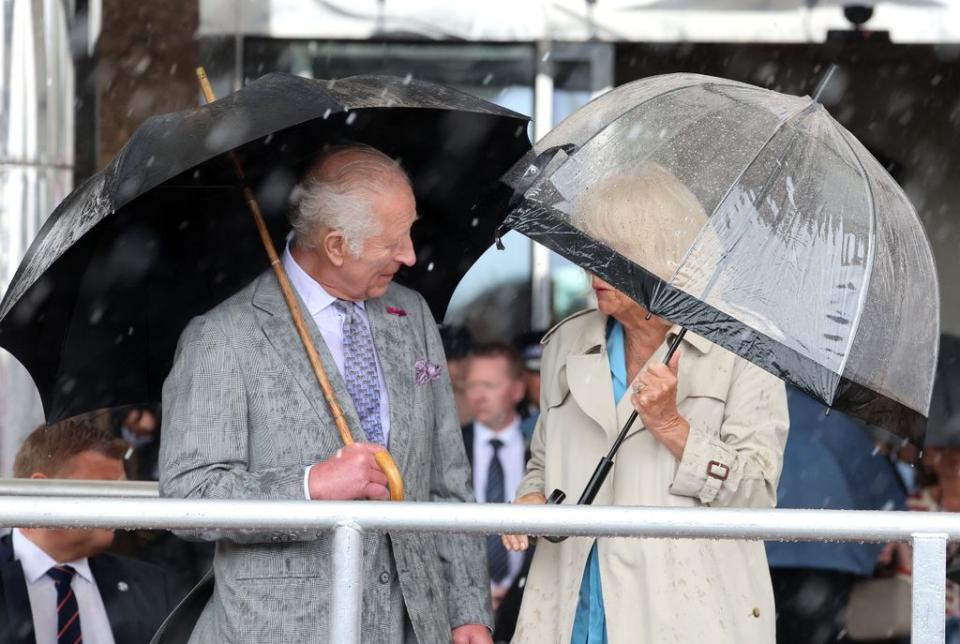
280 331
468 444
392 341
588 376
625 408
16 618
113 589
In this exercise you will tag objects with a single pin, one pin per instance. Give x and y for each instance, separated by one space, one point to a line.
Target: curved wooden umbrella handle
384 460
394 480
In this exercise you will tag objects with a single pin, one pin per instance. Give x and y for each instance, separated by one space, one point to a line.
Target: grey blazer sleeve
203 452
463 557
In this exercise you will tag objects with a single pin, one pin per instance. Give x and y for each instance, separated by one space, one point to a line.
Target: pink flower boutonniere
400 313
426 371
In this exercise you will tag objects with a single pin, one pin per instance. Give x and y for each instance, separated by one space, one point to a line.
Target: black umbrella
162 234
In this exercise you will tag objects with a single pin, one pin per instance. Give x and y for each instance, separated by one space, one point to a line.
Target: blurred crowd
825 592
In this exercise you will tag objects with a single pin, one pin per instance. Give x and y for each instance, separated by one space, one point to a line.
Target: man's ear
335 246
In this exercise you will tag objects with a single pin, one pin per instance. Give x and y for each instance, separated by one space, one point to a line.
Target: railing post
929 587
347 583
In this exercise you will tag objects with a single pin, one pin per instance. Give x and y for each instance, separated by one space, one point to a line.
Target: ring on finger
638 387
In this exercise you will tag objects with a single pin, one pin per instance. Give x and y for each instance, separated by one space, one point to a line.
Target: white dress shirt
513 460
329 321
94 623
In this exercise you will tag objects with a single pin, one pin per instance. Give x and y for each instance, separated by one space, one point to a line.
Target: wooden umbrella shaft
383 458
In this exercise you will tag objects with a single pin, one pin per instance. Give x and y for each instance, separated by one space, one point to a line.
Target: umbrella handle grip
394 480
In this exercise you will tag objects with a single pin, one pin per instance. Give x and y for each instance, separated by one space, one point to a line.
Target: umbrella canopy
755 220
162 233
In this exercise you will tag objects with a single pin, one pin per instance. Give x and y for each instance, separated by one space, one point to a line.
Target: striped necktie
68 612
497 557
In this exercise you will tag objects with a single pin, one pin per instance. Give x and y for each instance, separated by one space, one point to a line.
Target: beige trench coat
655 590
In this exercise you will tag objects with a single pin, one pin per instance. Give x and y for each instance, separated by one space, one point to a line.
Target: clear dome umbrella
755 220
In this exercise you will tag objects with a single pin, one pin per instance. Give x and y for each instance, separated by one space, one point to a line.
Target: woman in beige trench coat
716 426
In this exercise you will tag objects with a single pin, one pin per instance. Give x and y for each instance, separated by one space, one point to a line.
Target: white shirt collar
510 434
314 296
36 562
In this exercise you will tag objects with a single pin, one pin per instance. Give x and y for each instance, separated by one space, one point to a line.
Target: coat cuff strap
704 467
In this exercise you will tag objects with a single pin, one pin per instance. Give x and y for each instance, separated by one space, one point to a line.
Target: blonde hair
647 215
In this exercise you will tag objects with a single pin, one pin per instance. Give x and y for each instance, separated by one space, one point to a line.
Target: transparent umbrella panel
754 219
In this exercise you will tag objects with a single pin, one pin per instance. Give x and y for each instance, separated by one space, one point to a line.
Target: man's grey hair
341 200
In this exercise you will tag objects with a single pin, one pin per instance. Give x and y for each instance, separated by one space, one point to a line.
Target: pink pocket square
426 371
392 310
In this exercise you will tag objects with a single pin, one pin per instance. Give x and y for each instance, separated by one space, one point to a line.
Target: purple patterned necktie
360 371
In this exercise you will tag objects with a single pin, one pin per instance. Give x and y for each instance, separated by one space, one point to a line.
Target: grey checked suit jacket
243 416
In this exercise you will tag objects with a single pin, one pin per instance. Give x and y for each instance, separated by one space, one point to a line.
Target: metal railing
928 531
73 487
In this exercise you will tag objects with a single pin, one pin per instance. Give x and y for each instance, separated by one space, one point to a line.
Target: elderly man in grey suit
245 418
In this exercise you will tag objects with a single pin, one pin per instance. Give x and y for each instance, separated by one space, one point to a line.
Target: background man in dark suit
498 452
58 585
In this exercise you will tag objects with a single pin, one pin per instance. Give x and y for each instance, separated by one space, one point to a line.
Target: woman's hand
655 399
520 542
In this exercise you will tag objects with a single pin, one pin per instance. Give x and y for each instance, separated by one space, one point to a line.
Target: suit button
384 578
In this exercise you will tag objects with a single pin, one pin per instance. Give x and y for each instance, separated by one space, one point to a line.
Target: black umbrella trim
51 298
552 229
137 168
